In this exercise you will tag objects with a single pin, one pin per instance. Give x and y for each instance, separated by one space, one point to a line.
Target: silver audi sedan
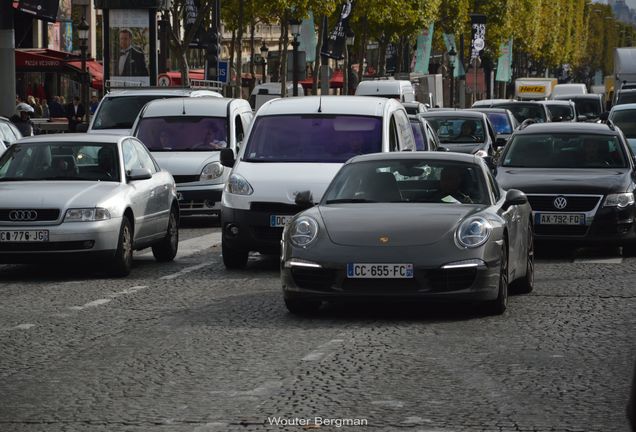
85 195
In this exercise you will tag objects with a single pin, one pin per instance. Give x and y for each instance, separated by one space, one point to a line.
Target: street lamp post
294 25
82 32
452 56
264 51
347 76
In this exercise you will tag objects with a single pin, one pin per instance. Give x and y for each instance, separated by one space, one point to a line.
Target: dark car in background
503 122
425 137
561 110
463 131
590 105
579 179
522 111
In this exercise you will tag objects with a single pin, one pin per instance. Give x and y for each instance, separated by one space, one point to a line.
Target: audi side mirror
138 174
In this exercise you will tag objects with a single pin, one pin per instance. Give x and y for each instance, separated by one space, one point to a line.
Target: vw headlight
303 231
621 200
473 232
211 171
86 215
236 184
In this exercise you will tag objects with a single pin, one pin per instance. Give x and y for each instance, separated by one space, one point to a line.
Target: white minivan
186 136
294 145
401 90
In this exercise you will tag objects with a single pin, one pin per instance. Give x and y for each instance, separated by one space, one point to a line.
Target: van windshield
183 133
121 112
313 138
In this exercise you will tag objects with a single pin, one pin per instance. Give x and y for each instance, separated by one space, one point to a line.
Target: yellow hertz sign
532 89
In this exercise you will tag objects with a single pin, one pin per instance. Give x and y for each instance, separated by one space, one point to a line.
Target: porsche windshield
313 138
184 133
565 151
452 129
73 161
408 181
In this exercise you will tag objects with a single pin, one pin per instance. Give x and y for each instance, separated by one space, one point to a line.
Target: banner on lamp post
504 64
423 50
337 40
478 35
308 38
458 67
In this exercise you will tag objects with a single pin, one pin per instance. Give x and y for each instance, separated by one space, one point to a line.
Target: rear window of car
565 151
526 111
500 122
120 112
588 108
313 138
560 112
452 129
626 97
624 119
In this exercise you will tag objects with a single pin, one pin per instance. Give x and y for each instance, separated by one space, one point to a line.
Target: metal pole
264 77
295 44
7 60
452 85
475 81
85 79
345 83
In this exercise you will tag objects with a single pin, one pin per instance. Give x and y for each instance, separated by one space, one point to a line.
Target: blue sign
224 72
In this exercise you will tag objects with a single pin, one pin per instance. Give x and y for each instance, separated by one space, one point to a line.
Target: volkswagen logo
23 215
560 203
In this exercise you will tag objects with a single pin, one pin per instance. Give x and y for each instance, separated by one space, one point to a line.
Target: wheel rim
530 266
173 232
127 244
503 278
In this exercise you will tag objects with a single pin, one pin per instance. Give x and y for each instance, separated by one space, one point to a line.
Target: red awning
336 81
94 68
47 60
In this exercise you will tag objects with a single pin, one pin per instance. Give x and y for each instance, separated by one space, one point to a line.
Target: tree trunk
318 61
362 52
284 42
239 60
252 54
232 52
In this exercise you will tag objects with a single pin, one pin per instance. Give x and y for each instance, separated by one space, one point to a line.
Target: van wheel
232 258
121 263
167 248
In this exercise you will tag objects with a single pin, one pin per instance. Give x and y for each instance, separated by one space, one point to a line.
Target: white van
298 144
568 90
186 136
268 91
401 90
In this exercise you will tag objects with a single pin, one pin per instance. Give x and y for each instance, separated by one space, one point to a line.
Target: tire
525 285
167 248
302 307
121 263
499 305
232 258
629 250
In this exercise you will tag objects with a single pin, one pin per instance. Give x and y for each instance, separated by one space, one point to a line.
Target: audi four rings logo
23 215
560 203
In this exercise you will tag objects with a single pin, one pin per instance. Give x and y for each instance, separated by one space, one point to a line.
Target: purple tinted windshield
186 133
313 138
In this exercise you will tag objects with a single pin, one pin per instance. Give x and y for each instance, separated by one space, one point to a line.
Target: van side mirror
227 157
514 197
304 199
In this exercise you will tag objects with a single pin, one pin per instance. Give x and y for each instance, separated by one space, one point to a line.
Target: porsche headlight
86 215
303 231
236 184
211 171
473 232
621 200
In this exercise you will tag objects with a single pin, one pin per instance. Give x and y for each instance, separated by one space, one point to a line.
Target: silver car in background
85 195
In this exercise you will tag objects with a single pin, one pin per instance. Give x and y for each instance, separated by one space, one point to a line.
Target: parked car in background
529 110
561 110
425 137
118 110
298 144
186 136
9 134
488 103
589 105
502 121
624 116
401 90
73 196
579 179
625 96
428 226
568 90
463 131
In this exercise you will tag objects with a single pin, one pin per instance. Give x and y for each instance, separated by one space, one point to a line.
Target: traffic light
213 53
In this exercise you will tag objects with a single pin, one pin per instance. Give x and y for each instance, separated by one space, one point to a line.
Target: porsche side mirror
227 157
514 197
82 128
604 116
304 199
138 174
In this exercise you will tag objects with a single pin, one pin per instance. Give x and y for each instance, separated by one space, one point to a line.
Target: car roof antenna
183 104
320 104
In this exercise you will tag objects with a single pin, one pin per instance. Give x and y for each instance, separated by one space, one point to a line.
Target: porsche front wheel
499 305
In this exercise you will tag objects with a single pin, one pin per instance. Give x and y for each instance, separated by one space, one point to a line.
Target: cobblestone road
189 346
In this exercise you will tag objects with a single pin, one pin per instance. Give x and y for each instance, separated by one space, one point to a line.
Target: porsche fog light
211 171
86 215
303 231
621 200
236 184
473 232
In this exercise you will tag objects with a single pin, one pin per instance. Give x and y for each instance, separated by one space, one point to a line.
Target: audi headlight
621 200
211 171
303 231
473 232
236 184
86 215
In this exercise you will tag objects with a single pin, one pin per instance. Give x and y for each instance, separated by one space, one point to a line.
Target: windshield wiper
349 201
67 178
19 179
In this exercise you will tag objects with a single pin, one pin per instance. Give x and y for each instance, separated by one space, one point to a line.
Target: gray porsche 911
407 226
